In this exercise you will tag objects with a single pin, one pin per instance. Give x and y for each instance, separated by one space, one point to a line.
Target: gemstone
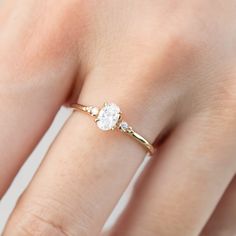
94 111
124 126
108 116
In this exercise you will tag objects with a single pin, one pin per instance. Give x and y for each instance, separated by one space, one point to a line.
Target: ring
109 117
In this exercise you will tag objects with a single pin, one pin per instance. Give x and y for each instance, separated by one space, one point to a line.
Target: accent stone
94 111
124 126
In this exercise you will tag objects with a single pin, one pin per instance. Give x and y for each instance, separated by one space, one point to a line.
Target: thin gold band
118 123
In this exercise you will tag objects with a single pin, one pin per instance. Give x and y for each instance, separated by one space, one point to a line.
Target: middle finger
86 171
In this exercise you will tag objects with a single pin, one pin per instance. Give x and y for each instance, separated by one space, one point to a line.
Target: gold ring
109 117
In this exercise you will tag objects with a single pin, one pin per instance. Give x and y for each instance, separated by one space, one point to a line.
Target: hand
170 65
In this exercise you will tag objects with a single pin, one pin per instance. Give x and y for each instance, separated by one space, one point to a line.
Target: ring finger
86 171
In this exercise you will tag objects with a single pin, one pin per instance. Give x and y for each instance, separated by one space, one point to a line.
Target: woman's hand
170 65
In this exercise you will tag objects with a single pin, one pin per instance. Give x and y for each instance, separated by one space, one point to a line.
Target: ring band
109 117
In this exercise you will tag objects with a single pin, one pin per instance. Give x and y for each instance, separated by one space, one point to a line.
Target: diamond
108 117
94 111
124 126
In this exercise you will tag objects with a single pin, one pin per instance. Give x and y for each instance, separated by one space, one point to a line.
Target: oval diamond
108 116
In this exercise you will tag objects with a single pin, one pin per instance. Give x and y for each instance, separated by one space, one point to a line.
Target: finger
27 113
34 83
87 170
180 189
222 222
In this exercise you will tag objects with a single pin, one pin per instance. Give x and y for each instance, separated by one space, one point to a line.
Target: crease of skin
49 36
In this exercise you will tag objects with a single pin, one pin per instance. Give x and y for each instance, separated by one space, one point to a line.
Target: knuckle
44 44
32 224
178 53
50 216
41 219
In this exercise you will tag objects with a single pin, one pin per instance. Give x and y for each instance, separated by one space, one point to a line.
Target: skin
170 65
